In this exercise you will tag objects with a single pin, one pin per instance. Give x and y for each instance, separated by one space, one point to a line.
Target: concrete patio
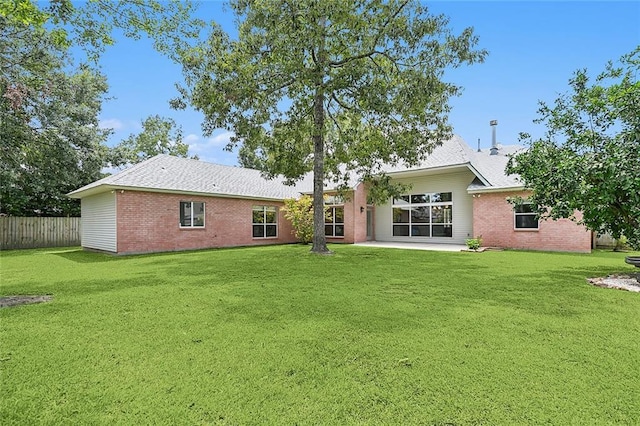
414 246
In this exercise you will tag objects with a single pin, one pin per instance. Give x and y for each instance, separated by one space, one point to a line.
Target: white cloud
191 139
111 123
212 144
220 140
211 149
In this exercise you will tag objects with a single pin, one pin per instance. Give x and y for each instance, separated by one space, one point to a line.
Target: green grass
274 335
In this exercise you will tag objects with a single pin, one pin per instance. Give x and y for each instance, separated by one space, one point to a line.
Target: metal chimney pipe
494 143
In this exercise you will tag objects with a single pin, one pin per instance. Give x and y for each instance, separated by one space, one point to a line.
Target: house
168 203
459 193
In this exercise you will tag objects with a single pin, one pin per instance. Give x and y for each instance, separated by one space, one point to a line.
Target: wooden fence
34 232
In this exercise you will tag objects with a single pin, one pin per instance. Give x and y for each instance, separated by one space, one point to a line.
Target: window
191 214
334 216
423 215
525 216
333 200
265 222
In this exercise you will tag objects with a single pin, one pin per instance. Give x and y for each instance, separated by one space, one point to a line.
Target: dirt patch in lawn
7 301
621 282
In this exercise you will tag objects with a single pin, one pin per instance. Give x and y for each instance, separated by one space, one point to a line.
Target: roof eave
428 170
478 174
79 194
496 189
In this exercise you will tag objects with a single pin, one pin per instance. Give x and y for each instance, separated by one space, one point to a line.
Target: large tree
589 158
50 141
334 86
90 24
159 135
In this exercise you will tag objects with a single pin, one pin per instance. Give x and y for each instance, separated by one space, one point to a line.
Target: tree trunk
319 239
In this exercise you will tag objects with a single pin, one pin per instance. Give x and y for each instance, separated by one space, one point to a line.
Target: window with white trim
334 216
525 216
423 215
265 222
191 214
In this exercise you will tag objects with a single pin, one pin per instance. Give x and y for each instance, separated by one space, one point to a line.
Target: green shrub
474 243
300 213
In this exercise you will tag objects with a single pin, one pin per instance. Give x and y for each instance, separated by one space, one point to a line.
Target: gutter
106 188
497 189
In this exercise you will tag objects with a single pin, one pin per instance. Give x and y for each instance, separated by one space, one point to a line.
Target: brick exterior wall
355 221
493 219
149 222
360 216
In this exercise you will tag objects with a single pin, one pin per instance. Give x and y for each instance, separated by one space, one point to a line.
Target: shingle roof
174 174
492 169
454 151
168 173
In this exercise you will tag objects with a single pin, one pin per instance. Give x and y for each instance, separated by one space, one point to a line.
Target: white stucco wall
455 182
99 230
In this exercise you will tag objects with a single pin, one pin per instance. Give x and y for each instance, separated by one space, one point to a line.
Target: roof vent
494 144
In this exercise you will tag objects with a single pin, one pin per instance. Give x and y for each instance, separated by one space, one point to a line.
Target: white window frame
191 209
516 214
264 222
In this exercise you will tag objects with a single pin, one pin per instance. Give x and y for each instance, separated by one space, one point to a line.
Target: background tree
159 136
335 86
589 158
89 25
50 141
300 213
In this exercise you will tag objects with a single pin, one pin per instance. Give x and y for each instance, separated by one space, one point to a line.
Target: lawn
274 335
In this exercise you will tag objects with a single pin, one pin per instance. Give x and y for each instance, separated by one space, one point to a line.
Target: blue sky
534 48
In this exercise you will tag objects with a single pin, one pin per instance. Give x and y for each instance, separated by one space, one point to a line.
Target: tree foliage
338 87
159 136
90 24
50 141
589 157
300 213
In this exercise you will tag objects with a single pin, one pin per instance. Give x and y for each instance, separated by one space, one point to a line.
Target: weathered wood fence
604 241
34 232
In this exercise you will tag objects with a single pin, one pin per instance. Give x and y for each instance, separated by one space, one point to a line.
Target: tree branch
339 102
336 64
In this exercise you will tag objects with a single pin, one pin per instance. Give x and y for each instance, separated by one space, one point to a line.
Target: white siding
99 222
456 183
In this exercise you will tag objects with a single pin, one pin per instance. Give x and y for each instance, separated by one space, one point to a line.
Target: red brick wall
360 217
355 222
149 222
493 219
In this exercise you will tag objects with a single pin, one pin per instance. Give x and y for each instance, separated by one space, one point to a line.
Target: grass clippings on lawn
274 335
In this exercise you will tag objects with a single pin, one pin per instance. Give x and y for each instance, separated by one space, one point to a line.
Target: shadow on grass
87 256
91 287
82 256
